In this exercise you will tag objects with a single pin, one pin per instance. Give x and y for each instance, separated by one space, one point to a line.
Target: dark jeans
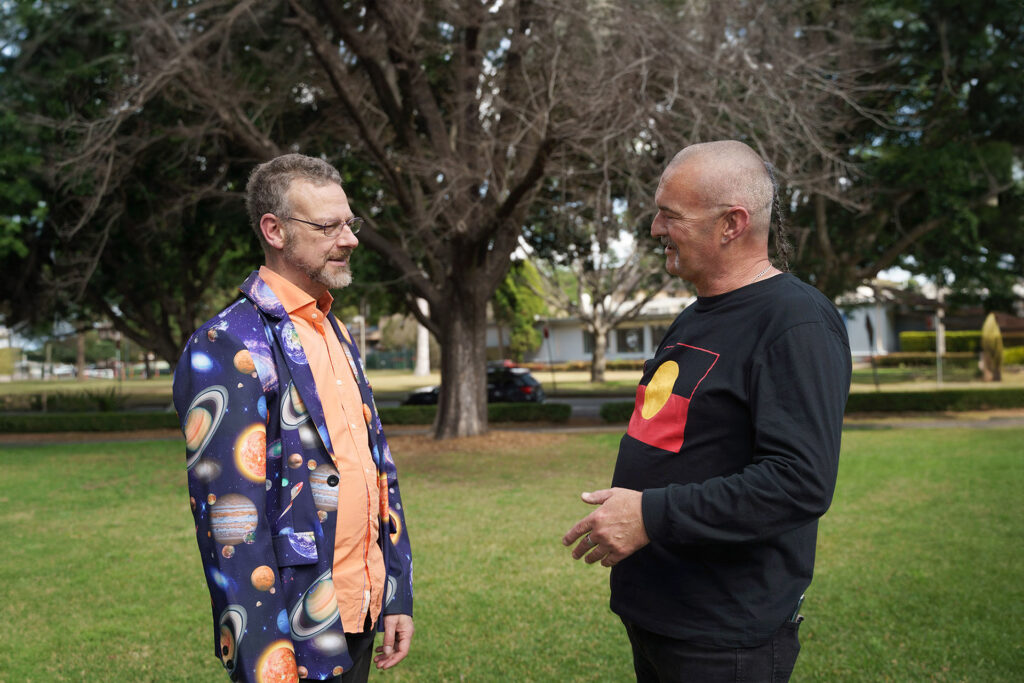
661 659
360 647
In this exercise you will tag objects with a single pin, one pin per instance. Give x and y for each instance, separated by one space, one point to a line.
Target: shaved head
731 174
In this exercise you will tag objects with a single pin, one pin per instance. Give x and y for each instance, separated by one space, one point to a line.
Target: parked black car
504 385
427 396
513 385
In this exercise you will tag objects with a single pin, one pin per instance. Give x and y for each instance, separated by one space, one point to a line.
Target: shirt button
332 480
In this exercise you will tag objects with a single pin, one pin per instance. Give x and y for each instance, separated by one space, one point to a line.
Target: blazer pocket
295 548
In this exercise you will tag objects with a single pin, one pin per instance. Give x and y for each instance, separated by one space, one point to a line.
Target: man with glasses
292 485
730 456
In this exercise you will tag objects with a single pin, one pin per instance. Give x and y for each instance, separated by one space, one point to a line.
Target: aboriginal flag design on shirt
664 395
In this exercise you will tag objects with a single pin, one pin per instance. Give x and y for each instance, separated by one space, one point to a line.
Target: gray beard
319 274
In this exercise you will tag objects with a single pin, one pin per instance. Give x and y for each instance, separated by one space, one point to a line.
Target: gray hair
267 189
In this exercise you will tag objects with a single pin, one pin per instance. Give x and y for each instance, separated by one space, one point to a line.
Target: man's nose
347 238
656 225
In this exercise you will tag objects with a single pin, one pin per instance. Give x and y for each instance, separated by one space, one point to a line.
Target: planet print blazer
263 490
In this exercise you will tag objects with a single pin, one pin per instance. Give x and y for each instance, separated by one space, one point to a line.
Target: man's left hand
612 532
398 630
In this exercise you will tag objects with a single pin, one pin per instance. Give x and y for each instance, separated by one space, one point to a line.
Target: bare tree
749 71
449 117
597 265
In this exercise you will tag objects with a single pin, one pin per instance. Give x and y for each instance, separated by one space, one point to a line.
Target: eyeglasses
332 230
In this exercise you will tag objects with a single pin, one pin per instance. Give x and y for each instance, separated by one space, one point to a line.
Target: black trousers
360 647
662 659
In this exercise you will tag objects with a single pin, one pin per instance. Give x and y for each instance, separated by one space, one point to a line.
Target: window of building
588 342
630 340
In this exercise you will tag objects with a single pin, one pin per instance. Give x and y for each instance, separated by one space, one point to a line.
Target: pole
871 348
940 337
551 363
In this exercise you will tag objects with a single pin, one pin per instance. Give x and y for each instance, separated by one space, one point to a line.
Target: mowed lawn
919 571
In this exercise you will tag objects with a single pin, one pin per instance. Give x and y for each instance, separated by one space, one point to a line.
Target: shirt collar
292 297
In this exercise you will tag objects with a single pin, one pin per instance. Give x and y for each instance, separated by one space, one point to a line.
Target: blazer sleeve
398 598
223 415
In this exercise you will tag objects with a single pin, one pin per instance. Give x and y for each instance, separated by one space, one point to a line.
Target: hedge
617 411
398 415
961 340
887 402
86 422
929 401
406 415
1013 355
901 359
496 412
84 401
580 365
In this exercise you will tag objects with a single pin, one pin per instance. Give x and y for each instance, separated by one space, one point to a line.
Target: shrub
86 401
626 364
929 401
956 341
87 422
991 349
407 415
925 359
617 411
496 412
887 401
1013 355
528 412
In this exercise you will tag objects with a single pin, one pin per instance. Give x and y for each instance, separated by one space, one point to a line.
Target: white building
889 309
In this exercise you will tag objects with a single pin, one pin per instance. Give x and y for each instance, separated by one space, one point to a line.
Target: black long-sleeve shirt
735 444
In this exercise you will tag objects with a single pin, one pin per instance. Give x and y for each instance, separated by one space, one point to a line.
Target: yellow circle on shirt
659 389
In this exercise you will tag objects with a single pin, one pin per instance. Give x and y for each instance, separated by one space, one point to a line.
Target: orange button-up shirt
358 572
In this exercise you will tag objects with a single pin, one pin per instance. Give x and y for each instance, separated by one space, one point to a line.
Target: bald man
731 453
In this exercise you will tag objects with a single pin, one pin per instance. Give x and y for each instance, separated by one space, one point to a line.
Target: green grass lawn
918 572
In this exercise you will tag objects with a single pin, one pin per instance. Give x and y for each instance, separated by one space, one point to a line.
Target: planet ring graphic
392 588
232 629
293 410
315 610
204 415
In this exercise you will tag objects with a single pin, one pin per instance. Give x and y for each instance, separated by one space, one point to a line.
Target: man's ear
737 223
273 230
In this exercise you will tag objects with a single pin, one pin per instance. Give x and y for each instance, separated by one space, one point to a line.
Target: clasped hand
613 531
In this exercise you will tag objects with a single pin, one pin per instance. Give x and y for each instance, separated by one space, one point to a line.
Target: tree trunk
462 405
599 360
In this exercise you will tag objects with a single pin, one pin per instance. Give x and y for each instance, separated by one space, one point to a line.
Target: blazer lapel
298 365
287 339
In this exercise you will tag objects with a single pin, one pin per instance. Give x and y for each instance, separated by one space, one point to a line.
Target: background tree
446 118
152 240
596 255
516 306
935 189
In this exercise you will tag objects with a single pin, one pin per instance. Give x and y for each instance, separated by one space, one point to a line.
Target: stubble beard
324 274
